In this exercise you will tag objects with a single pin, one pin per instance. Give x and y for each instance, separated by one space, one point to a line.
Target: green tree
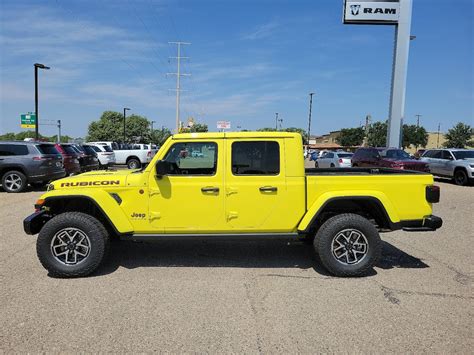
267 129
199 127
459 136
414 135
377 134
351 137
159 136
110 127
10 136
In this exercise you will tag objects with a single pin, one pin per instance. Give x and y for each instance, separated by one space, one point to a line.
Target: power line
178 77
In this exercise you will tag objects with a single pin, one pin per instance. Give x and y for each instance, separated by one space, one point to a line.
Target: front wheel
72 244
316 165
348 245
460 177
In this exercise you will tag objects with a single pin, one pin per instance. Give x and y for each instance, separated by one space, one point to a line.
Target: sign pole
399 75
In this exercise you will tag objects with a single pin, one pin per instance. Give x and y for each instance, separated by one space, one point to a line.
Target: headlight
471 165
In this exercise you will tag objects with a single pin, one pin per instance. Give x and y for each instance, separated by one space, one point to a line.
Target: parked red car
387 158
70 158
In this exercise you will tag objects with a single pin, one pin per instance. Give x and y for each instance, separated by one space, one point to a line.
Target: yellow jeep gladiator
231 185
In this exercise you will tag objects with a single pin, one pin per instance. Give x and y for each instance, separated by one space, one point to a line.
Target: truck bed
360 171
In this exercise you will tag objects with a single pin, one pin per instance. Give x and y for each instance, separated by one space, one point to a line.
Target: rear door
256 191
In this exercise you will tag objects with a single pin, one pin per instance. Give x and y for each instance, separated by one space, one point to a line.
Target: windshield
394 154
344 155
463 154
68 149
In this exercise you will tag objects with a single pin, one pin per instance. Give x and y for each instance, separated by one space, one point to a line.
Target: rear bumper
34 222
427 224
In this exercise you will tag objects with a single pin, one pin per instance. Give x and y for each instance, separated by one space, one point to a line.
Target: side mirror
162 167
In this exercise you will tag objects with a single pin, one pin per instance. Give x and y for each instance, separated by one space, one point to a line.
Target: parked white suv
133 155
105 154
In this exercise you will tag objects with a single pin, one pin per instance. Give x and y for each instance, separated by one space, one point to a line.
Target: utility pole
309 118
125 109
276 121
418 120
368 118
178 78
152 126
59 131
37 66
439 128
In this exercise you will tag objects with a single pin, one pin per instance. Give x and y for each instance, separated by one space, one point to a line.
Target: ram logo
355 9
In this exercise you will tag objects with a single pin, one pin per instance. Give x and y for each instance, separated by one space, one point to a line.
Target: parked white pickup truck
132 155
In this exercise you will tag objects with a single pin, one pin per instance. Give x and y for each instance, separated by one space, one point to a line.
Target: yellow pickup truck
231 185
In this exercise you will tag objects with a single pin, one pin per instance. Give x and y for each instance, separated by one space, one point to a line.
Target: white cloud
262 31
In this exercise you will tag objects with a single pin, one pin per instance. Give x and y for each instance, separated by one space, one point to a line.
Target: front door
190 198
256 191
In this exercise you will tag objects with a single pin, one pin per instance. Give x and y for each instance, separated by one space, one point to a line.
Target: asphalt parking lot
257 297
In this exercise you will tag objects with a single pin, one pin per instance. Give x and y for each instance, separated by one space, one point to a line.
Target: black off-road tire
11 180
460 177
331 228
96 233
134 163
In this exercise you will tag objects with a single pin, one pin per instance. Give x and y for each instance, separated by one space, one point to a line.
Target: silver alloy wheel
134 164
13 182
70 246
349 246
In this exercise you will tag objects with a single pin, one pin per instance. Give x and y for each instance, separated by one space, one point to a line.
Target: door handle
210 189
268 189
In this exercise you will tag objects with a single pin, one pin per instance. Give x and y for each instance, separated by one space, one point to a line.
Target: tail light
41 158
148 154
340 160
432 193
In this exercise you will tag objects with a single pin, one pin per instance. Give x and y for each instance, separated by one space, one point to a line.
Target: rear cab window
256 158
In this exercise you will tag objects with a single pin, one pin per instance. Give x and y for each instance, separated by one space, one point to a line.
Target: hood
101 178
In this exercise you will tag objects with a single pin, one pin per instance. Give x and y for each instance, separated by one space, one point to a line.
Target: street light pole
309 118
125 109
40 66
276 121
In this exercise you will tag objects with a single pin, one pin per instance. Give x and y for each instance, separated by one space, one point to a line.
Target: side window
192 158
446 155
436 154
329 155
13 149
256 158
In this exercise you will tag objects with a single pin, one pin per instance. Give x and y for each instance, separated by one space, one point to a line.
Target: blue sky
248 60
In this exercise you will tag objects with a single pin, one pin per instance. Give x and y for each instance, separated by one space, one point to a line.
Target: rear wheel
134 163
332 165
14 181
348 245
460 177
316 165
72 244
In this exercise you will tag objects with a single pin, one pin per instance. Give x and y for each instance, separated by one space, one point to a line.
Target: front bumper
34 222
427 224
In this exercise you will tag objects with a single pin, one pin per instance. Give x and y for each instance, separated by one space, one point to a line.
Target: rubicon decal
90 183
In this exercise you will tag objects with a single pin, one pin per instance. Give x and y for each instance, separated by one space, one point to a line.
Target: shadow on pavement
254 254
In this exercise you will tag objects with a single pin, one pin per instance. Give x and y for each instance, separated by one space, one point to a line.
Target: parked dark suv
70 158
87 157
387 158
35 163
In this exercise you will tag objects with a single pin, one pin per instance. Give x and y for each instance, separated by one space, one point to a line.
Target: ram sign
371 12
